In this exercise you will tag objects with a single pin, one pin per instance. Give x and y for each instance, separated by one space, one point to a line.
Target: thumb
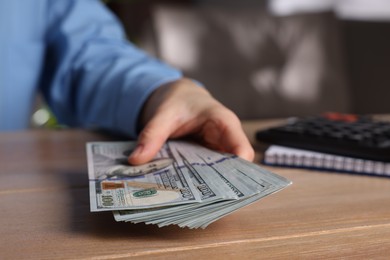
150 140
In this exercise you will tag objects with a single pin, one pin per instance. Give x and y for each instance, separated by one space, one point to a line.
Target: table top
45 211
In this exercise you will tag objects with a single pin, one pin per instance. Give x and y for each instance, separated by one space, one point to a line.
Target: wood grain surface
44 203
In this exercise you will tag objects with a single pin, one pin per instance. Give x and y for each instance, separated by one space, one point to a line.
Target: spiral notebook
291 157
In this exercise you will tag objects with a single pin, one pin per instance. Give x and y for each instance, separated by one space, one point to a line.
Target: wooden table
44 203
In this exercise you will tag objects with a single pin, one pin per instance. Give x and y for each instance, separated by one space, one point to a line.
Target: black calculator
342 134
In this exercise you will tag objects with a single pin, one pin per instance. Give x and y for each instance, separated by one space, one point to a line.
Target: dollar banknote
185 184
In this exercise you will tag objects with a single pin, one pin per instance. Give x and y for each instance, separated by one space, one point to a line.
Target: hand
182 109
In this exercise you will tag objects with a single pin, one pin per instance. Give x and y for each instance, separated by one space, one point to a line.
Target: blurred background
267 59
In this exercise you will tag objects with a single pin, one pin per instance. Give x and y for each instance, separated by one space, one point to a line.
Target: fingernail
137 151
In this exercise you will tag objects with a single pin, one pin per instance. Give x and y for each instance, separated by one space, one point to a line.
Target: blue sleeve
94 77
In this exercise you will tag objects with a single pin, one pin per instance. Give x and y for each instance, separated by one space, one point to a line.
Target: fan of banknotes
186 184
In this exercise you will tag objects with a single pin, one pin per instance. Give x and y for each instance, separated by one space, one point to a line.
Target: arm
94 77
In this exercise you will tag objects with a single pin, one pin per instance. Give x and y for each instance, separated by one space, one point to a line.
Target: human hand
182 109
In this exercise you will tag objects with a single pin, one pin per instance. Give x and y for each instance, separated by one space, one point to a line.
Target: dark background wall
367 53
365 46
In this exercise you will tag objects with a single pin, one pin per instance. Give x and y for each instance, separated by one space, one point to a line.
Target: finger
245 151
231 137
237 143
151 139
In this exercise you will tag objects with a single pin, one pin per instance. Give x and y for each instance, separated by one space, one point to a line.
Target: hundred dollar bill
116 185
247 181
208 184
